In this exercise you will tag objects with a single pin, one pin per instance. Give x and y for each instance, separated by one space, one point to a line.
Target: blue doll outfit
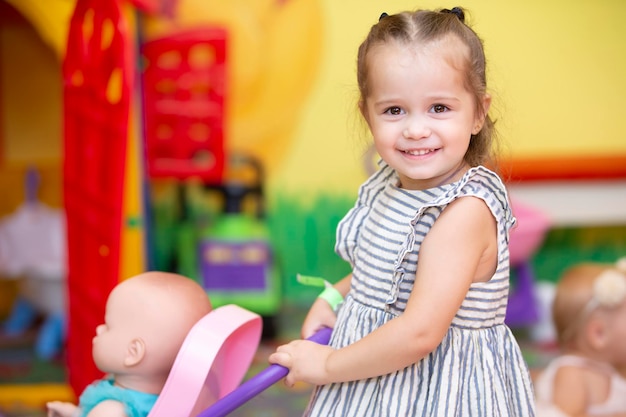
136 403
478 369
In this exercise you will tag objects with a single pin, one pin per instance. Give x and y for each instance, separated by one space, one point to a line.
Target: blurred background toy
532 225
234 257
32 251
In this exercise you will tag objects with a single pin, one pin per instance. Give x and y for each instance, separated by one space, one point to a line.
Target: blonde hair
581 290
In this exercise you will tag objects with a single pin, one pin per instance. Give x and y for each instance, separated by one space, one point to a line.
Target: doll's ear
596 332
135 352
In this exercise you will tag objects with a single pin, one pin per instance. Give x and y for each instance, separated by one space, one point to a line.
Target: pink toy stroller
212 362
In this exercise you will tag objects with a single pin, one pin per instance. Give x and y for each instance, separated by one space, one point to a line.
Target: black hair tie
382 16
457 11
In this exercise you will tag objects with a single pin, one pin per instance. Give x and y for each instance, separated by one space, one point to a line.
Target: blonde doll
589 313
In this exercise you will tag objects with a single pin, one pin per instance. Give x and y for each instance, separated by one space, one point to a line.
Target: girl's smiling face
419 111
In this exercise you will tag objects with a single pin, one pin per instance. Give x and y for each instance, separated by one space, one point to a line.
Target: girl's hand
306 361
320 315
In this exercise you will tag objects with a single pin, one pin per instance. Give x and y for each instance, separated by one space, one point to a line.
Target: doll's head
146 320
589 310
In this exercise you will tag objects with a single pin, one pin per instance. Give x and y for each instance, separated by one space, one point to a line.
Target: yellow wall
31 118
557 69
50 18
31 98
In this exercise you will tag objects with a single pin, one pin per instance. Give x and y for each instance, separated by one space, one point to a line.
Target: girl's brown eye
439 108
395 111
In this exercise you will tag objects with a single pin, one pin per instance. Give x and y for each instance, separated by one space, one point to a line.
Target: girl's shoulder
481 181
485 184
478 181
376 183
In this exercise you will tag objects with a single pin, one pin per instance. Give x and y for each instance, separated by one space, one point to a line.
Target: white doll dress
544 388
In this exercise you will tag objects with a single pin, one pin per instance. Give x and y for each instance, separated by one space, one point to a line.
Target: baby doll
589 314
146 320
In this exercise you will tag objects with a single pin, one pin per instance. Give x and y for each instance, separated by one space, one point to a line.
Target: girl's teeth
419 152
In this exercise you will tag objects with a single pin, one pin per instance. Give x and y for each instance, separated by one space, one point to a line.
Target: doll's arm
108 408
569 392
321 314
62 409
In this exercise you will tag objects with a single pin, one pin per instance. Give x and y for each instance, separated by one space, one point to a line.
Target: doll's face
616 335
146 320
114 335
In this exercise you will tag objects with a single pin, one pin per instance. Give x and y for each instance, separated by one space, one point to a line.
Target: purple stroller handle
257 384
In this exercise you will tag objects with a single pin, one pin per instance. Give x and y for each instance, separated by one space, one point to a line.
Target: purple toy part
31 185
257 384
231 266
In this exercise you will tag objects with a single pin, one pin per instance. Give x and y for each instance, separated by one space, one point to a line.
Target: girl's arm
321 313
461 248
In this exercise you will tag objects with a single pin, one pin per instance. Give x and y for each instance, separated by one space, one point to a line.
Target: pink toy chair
257 383
211 363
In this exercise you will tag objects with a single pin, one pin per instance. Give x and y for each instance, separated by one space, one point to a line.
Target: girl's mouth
418 152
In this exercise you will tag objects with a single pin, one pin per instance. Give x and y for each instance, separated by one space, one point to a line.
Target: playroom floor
18 367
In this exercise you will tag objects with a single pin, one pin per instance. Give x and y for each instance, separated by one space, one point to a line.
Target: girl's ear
486 104
482 115
135 353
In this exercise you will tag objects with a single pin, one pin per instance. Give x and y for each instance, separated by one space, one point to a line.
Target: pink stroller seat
211 363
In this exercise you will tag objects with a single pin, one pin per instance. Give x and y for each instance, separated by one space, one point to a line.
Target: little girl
421 330
589 313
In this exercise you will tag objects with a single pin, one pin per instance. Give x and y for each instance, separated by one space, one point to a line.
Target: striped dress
478 369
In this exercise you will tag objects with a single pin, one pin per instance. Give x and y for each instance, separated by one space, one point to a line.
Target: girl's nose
416 128
99 329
